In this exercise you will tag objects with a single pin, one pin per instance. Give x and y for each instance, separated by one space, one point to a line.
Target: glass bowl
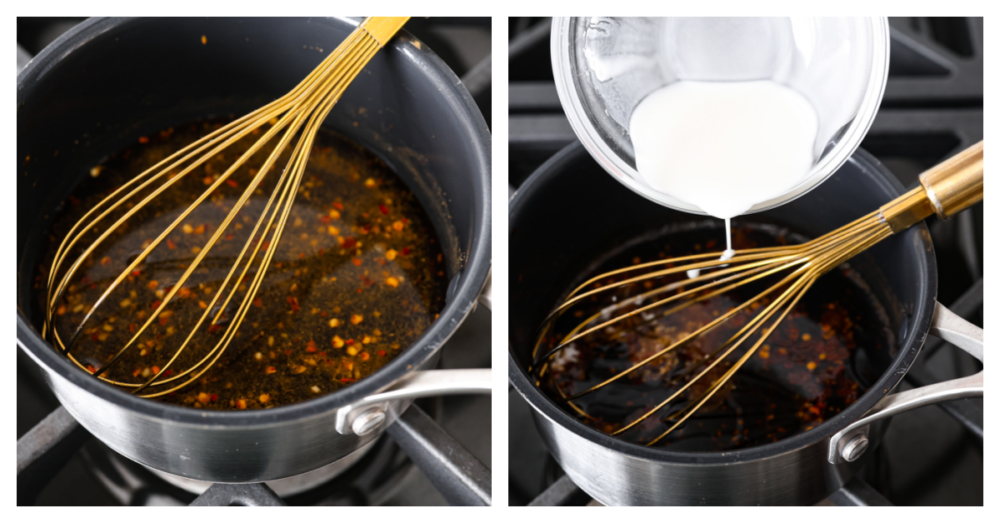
605 66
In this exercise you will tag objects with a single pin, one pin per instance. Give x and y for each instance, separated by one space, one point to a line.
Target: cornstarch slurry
724 146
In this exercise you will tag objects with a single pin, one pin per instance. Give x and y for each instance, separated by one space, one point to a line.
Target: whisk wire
297 163
807 262
300 113
804 286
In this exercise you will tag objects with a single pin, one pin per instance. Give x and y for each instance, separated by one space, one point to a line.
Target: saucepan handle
850 443
369 413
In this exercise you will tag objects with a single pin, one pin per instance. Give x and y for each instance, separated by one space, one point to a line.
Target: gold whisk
303 109
946 189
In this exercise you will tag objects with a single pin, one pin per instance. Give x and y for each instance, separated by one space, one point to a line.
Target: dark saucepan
107 82
570 212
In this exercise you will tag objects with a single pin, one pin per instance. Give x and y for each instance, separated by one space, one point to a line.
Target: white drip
726 254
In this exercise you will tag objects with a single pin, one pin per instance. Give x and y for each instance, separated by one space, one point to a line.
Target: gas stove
438 452
932 108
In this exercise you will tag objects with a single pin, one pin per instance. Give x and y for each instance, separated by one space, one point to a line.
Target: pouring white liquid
724 146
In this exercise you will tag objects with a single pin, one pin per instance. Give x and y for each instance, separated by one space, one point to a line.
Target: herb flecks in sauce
357 276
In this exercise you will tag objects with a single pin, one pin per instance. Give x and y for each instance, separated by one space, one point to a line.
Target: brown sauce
807 371
357 276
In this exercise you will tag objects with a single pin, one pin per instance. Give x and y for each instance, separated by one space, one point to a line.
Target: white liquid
724 146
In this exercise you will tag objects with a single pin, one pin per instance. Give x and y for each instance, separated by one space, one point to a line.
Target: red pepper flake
156 369
381 353
339 206
365 229
156 304
311 346
405 251
265 244
91 369
383 209
288 352
257 302
132 327
322 354
356 261
85 280
270 370
294 302
230 236
212 329
404 220
324 219
168 372
171 244
349 242
215 397
231 182
302 255
184 292
320 252
94 337
135 272
143 139
346 380
350 341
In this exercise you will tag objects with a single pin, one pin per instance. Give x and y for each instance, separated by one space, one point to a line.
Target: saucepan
108 81
570 211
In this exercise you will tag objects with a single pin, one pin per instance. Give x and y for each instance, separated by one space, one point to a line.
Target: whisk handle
946 189
956 183
382 28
